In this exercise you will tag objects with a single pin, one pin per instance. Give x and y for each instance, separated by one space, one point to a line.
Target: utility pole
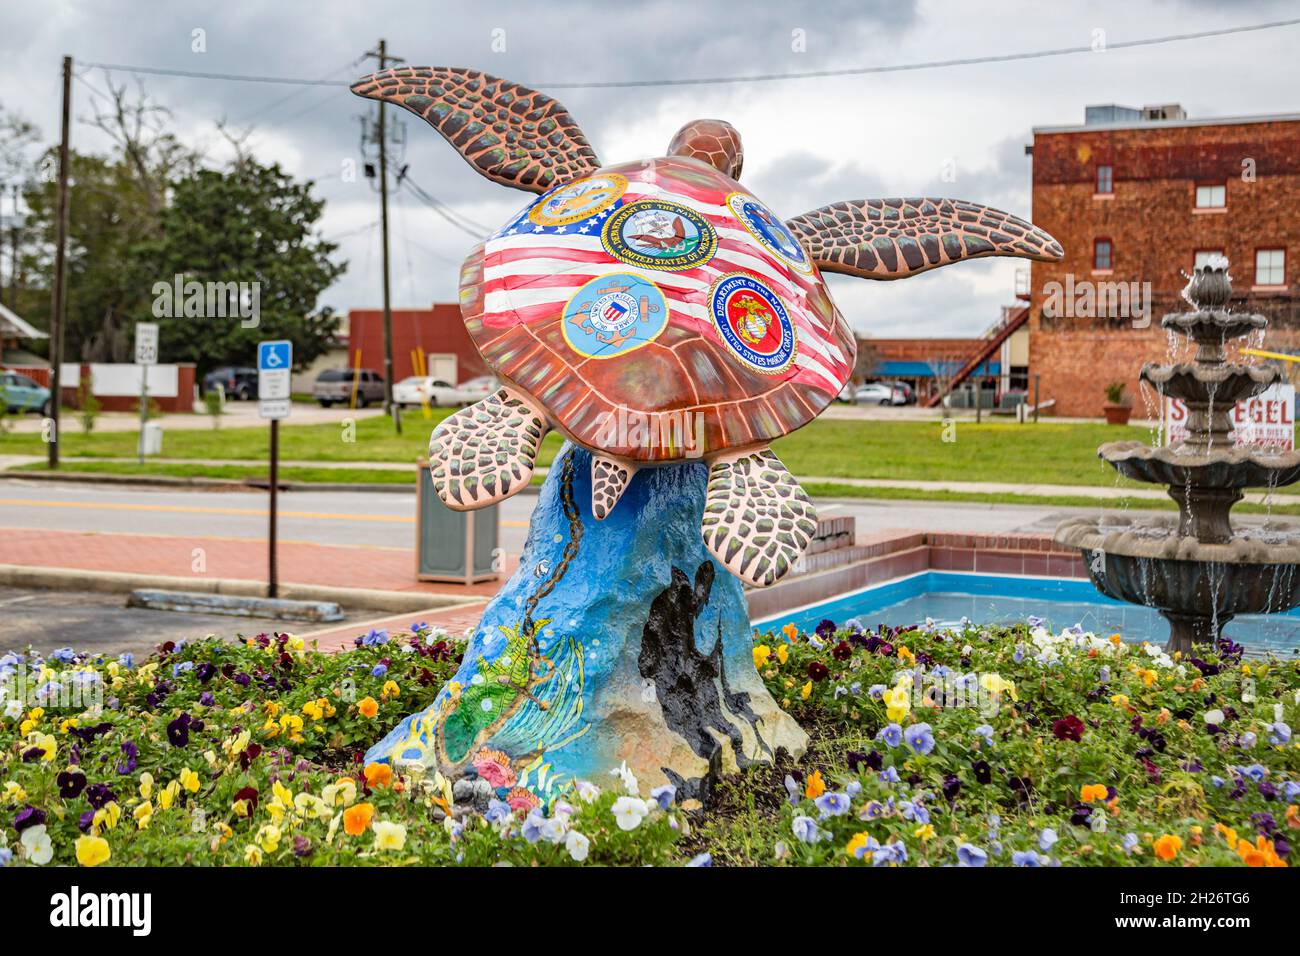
13 251
60 303
381 54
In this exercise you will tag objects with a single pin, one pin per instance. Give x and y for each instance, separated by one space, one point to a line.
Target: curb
218 484
122 582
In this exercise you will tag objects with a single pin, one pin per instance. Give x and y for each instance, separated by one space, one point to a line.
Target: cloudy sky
958 131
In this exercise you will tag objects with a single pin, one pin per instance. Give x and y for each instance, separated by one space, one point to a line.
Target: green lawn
999 451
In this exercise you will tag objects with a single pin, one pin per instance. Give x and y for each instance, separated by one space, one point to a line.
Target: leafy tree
107 290
254 226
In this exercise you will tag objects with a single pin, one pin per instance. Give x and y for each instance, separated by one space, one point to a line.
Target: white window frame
1208 193
1274 272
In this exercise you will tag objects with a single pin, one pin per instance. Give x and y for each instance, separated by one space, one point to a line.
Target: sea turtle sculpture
655 313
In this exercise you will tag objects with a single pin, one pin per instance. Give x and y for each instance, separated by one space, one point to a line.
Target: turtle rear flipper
609 479
757 520
486 452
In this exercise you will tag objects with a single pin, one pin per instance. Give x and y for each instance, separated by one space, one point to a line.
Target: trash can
151 439
453 546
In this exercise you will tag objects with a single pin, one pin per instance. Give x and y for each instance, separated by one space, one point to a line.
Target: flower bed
1007 746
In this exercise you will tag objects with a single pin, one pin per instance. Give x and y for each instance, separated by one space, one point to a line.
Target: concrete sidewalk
1099 492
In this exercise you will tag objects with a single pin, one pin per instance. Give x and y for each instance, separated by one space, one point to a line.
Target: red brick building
1137 198
438 332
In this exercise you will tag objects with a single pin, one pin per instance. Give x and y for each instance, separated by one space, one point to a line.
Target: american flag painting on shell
606 296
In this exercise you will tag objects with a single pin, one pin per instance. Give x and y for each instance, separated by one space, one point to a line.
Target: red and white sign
1265 421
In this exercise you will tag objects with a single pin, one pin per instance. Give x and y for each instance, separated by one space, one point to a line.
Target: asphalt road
373 519
387 519
102 623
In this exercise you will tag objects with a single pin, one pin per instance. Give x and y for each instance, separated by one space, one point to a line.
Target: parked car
22 394
418 389
237 382
477 389
909 394
878 393
336 386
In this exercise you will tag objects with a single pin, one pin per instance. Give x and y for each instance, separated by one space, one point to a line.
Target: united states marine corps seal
753 323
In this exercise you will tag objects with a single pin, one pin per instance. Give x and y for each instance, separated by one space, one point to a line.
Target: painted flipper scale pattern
757 520
486 452
896 238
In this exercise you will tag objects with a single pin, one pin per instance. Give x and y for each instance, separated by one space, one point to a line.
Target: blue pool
948 596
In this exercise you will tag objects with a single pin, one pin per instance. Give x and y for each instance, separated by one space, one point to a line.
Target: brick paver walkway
385 569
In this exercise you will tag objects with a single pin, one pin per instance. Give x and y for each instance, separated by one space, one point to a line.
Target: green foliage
215 753
215 405
88 407
252 225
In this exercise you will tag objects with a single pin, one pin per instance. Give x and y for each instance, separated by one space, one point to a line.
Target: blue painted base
616 640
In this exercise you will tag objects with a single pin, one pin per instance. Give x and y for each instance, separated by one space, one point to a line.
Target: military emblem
578 201
768 229
658 234
753 323
614 314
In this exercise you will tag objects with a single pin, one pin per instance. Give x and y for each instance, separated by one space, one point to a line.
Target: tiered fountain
1197 570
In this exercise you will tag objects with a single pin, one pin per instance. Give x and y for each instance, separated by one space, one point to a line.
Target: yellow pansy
189 780
252 855
341 793
905 654
14 793
68 723
782 654
268 837
146 785
761 654
805 690
996 685
898 702
389 836
143 814
45 743
291 724
167 796
92 850
857 844
390 689
925 833
33 720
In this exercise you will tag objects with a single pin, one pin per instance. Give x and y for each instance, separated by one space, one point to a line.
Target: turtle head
711 141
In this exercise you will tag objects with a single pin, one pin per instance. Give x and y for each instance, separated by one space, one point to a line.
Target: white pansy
629 812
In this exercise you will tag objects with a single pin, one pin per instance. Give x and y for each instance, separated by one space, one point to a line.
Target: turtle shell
658 311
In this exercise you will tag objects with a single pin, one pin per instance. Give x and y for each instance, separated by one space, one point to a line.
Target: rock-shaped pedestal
616 640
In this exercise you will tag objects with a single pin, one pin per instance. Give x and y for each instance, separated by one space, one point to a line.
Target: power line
462 222
761 77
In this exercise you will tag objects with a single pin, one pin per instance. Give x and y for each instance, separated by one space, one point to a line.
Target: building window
1270 267
1102 257
1105 180
1211 197
1203 257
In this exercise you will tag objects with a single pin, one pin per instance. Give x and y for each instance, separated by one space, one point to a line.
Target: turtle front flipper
609 479
510 134
896 238
757 520
486 452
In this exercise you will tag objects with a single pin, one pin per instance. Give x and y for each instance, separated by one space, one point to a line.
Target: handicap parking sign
273 356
